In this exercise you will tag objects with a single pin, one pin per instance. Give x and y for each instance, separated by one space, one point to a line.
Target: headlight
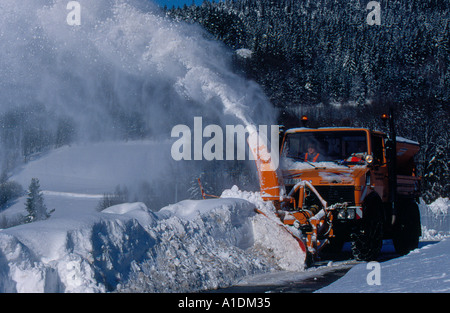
369 158
351 214
346 214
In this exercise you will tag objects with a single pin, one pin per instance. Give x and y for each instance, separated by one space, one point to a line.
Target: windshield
321 146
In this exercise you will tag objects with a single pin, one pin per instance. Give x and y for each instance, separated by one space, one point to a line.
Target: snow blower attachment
314 219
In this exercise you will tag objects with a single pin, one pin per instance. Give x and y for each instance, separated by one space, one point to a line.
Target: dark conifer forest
323 59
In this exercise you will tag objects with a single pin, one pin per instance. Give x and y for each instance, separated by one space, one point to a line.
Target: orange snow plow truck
340 185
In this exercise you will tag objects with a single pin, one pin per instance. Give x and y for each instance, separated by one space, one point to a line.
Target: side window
377 148
291 147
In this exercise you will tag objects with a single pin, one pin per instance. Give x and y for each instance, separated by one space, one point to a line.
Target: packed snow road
313 279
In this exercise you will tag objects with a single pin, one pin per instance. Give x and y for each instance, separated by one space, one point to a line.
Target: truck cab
352 167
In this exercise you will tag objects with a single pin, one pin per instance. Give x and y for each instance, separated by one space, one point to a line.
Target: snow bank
435 219
187 246
422 270
87 253
440 206
269 232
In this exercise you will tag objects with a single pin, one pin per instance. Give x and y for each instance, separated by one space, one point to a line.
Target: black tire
407 227
309 259
368 239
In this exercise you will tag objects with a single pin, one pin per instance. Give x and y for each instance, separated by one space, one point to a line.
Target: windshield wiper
299 159
315 167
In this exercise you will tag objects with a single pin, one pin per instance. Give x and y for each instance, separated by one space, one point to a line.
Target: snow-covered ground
187 246
97 168
424 270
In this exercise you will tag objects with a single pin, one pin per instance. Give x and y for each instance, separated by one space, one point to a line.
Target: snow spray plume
126 72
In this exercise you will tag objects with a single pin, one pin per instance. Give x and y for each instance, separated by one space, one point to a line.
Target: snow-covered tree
35 203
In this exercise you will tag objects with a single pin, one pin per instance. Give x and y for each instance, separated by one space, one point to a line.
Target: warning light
384 118
304 120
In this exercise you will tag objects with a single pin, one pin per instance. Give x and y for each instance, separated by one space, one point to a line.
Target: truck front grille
334 194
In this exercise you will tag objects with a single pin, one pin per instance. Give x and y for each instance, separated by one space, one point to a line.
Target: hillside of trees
321 58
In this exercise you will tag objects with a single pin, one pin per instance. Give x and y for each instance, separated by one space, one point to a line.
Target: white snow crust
424 270
440 206
127 247
187 246
244 53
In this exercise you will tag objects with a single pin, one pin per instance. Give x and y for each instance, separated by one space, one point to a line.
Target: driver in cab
312 155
